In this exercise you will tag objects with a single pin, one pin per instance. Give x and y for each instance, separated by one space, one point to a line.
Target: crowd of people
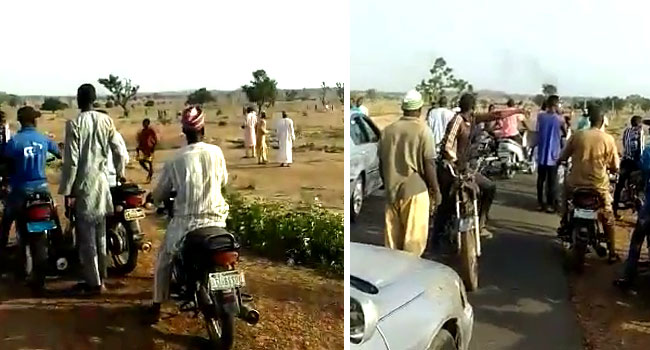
418 152
255 137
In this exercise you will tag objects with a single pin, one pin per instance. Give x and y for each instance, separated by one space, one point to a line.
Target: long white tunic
286 136
112 173
197 173
250 122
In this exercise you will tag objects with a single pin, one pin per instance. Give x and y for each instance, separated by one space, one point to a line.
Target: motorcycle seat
210 239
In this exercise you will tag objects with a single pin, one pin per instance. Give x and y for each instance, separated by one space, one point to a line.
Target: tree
290 95
371 94
262 90
441 82
340 92
200 97
149 103
13 101
122 91
549 89
324 89
53 104
539 99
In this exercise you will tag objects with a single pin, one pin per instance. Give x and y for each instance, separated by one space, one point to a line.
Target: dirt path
300 309
613 320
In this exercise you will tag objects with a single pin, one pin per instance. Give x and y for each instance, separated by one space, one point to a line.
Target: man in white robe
250 122
286 136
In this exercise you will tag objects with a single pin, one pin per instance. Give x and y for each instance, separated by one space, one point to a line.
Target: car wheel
443 341
356 199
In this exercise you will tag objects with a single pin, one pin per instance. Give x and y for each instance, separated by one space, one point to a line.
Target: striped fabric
633 142
197 173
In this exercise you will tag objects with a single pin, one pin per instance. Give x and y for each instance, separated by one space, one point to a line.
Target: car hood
399 276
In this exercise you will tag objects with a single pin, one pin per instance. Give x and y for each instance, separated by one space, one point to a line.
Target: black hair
249 109
467 103
442 101
636 120
490 107
284 114
595 116
194 136
510 103
263 115
146 121
27 116
553 101
86 95
543 106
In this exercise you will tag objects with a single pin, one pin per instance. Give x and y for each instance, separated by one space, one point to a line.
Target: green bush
149 103
307 236
109 104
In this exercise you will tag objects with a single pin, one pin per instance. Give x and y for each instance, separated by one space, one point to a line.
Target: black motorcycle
206 280
584 228
124 237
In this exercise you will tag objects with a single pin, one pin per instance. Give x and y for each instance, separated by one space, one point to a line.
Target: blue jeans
13 205
639 235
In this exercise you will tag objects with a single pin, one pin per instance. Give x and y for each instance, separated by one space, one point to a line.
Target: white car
399 301
364 161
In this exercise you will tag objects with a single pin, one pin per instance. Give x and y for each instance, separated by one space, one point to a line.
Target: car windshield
363 285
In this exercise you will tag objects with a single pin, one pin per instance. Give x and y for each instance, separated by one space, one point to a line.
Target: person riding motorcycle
26 155
508 127
197 173
633 142
593 153
455 151
641 230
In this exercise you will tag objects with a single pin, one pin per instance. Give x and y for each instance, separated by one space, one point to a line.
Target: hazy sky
51 47
585 47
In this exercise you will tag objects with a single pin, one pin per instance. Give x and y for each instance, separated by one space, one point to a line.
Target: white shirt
364 110
438 119
197 173
111 172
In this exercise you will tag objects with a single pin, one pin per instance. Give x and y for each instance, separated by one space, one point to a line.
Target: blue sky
585 47
164 45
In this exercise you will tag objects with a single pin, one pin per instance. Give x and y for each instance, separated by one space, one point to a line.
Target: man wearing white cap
198 203
407 166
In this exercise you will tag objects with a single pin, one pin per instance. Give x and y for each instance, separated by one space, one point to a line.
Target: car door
373 179
358 148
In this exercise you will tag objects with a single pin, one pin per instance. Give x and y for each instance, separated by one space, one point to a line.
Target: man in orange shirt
147 141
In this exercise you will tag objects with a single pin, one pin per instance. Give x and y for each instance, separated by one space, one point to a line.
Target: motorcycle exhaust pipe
146 247
251 316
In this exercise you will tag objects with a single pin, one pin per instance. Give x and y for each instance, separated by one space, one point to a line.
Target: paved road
523 300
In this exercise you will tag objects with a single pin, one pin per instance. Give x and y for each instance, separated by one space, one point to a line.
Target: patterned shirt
89 139
197 173
633 142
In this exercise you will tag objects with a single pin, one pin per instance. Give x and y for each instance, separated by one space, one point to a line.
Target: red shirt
147 140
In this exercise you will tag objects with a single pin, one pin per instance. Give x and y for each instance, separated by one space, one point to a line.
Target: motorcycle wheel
469 260
125 262
38 255
221 331
578 252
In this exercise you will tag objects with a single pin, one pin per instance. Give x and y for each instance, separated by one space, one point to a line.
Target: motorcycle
44 248
584 227
632 194
505 156
124 237
206 280
462 232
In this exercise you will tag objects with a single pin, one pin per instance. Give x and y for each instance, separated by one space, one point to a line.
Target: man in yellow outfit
262 149
407 157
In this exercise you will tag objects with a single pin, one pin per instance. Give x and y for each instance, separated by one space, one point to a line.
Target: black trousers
446 209
547 176
627 167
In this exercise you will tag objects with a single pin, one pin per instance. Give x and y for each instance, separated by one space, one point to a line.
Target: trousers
91 236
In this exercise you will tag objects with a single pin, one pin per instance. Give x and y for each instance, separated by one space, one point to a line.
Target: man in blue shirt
26 154
550 127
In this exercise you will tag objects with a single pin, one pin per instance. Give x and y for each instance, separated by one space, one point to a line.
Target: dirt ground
300 308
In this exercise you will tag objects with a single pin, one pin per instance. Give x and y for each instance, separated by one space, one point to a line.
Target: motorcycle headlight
357 322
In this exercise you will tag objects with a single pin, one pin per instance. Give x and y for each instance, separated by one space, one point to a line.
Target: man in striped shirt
197 173
632 147
456 143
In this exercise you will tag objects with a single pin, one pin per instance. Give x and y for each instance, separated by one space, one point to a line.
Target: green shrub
149 103
307 236
109 104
